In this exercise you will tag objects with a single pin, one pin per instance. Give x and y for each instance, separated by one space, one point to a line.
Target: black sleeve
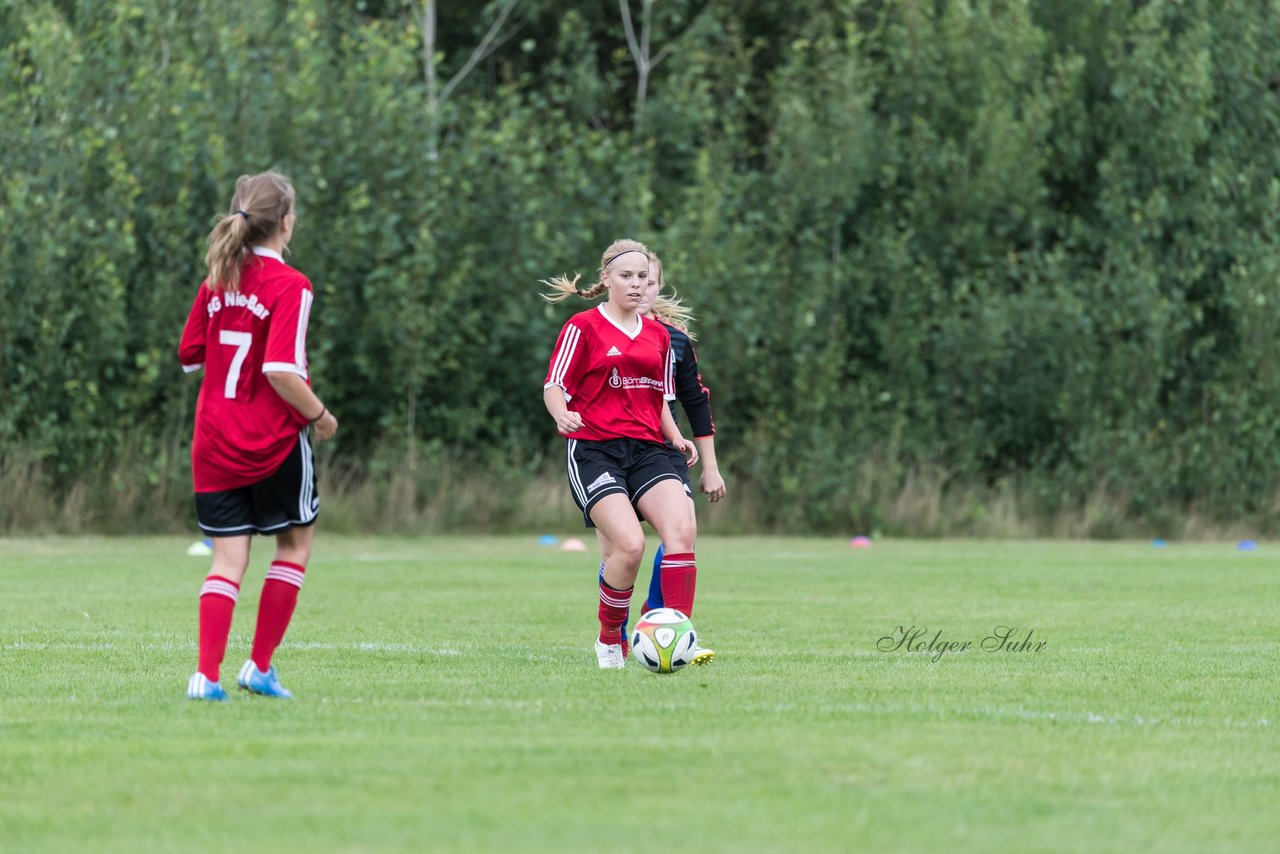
692 394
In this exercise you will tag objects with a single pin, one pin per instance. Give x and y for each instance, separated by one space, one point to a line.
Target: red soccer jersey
618 379
244 430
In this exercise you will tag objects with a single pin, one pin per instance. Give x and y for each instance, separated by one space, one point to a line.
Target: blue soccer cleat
200 688
267 684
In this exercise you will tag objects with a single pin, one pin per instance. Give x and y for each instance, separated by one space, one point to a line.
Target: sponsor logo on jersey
616 380
614 351
603 480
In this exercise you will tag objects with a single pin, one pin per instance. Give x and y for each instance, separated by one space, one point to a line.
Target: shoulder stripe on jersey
300 342
191 369
564 357
669 375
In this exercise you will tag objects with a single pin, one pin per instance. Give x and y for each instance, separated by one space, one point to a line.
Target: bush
1022 253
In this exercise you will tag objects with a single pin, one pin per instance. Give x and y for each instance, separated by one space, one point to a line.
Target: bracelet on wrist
323 410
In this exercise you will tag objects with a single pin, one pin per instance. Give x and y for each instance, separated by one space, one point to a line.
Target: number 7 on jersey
241 341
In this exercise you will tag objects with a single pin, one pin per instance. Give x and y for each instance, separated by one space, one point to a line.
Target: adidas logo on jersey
603 480
614 351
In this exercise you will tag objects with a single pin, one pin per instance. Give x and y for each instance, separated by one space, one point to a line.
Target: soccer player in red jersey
606 388
251 460
696 400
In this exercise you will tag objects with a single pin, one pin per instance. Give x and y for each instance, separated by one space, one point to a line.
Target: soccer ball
664 640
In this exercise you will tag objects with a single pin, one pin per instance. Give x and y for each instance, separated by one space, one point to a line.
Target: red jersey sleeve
568 361
191 348
287 333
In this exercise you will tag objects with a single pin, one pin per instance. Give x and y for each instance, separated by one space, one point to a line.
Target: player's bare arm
298 394
566 422
710 483
679 442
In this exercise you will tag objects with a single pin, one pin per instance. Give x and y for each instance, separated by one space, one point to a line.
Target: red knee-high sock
679 578
275 609
613 611
218 598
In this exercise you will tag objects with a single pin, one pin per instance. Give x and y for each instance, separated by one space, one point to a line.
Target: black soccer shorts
680 463
627 466
287 499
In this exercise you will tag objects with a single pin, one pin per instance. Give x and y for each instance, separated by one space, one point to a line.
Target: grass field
448 699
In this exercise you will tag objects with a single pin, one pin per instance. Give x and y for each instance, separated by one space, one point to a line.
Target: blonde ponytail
673 312
258 207
228 245
562 288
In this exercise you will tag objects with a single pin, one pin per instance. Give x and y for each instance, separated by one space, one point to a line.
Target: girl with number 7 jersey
251 461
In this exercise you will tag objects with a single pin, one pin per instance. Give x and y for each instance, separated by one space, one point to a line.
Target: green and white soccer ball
664 640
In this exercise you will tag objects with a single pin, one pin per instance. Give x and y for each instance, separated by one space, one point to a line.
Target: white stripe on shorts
575 477
308 507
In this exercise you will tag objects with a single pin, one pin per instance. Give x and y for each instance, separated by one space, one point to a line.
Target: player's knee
631 549
294 545
679 536
229 568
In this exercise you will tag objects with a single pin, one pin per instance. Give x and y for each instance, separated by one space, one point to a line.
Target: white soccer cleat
702 655
609 656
